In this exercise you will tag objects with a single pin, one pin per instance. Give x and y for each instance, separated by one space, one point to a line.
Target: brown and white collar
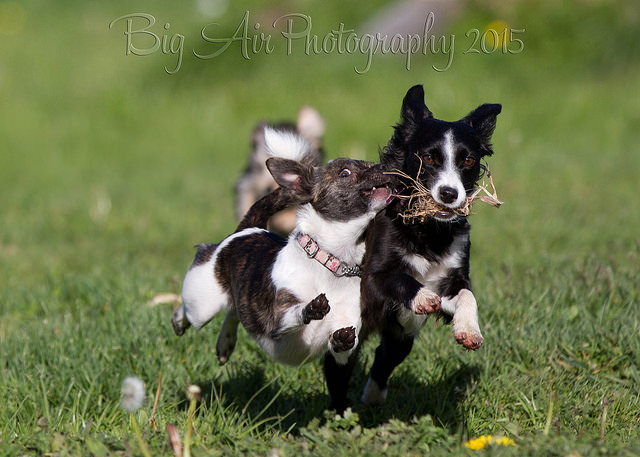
329 261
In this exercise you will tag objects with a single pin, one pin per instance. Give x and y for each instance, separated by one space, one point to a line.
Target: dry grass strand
421 205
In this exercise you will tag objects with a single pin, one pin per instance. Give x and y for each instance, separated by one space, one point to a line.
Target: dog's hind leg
394 348
179 321
227 337
203 296
338 377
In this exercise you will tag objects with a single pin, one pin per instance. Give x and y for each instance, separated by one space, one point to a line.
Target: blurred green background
111 168
106 158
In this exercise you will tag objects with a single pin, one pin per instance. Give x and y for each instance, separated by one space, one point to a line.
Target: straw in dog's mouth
420 203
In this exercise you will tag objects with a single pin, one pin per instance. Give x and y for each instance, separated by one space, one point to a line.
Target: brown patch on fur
340 199
203 254
243 270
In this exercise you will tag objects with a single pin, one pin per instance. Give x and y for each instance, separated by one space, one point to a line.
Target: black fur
332 198
394 347
336 375
203 253
387 278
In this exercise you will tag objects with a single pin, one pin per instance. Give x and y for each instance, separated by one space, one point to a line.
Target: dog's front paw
316 309
343 339
466 329
469 338
425 302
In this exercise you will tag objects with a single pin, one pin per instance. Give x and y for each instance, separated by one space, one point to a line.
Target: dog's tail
286 145
262 210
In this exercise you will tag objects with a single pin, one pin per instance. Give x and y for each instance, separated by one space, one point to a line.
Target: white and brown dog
298 298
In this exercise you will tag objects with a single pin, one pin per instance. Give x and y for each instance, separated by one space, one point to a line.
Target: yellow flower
504 441
478 443
485 440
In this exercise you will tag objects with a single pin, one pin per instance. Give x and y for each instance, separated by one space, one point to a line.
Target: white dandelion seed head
132 394
193 392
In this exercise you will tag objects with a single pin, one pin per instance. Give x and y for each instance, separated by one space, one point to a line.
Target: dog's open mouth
419 203
445 214
380 193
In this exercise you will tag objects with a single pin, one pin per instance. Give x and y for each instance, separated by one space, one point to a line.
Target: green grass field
111 169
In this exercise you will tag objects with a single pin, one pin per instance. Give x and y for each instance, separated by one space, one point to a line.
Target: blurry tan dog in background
256 181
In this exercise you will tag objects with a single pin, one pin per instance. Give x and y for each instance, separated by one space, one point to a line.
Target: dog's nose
448 194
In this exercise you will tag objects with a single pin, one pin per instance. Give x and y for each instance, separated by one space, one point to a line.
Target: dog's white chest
431 273
306 278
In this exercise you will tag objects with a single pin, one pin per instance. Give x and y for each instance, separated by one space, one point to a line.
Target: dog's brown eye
345 173
427 158
469 161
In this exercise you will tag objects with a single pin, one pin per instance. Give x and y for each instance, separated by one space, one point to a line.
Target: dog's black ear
413 106
412 112
293 176
483 121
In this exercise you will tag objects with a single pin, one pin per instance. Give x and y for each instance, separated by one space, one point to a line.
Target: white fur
338 238
202 296
409 318
450 175
411 322
424 296
464 309
306 279
286 145
430 274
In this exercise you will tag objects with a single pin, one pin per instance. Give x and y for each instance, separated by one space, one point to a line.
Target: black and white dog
298 298
413 270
